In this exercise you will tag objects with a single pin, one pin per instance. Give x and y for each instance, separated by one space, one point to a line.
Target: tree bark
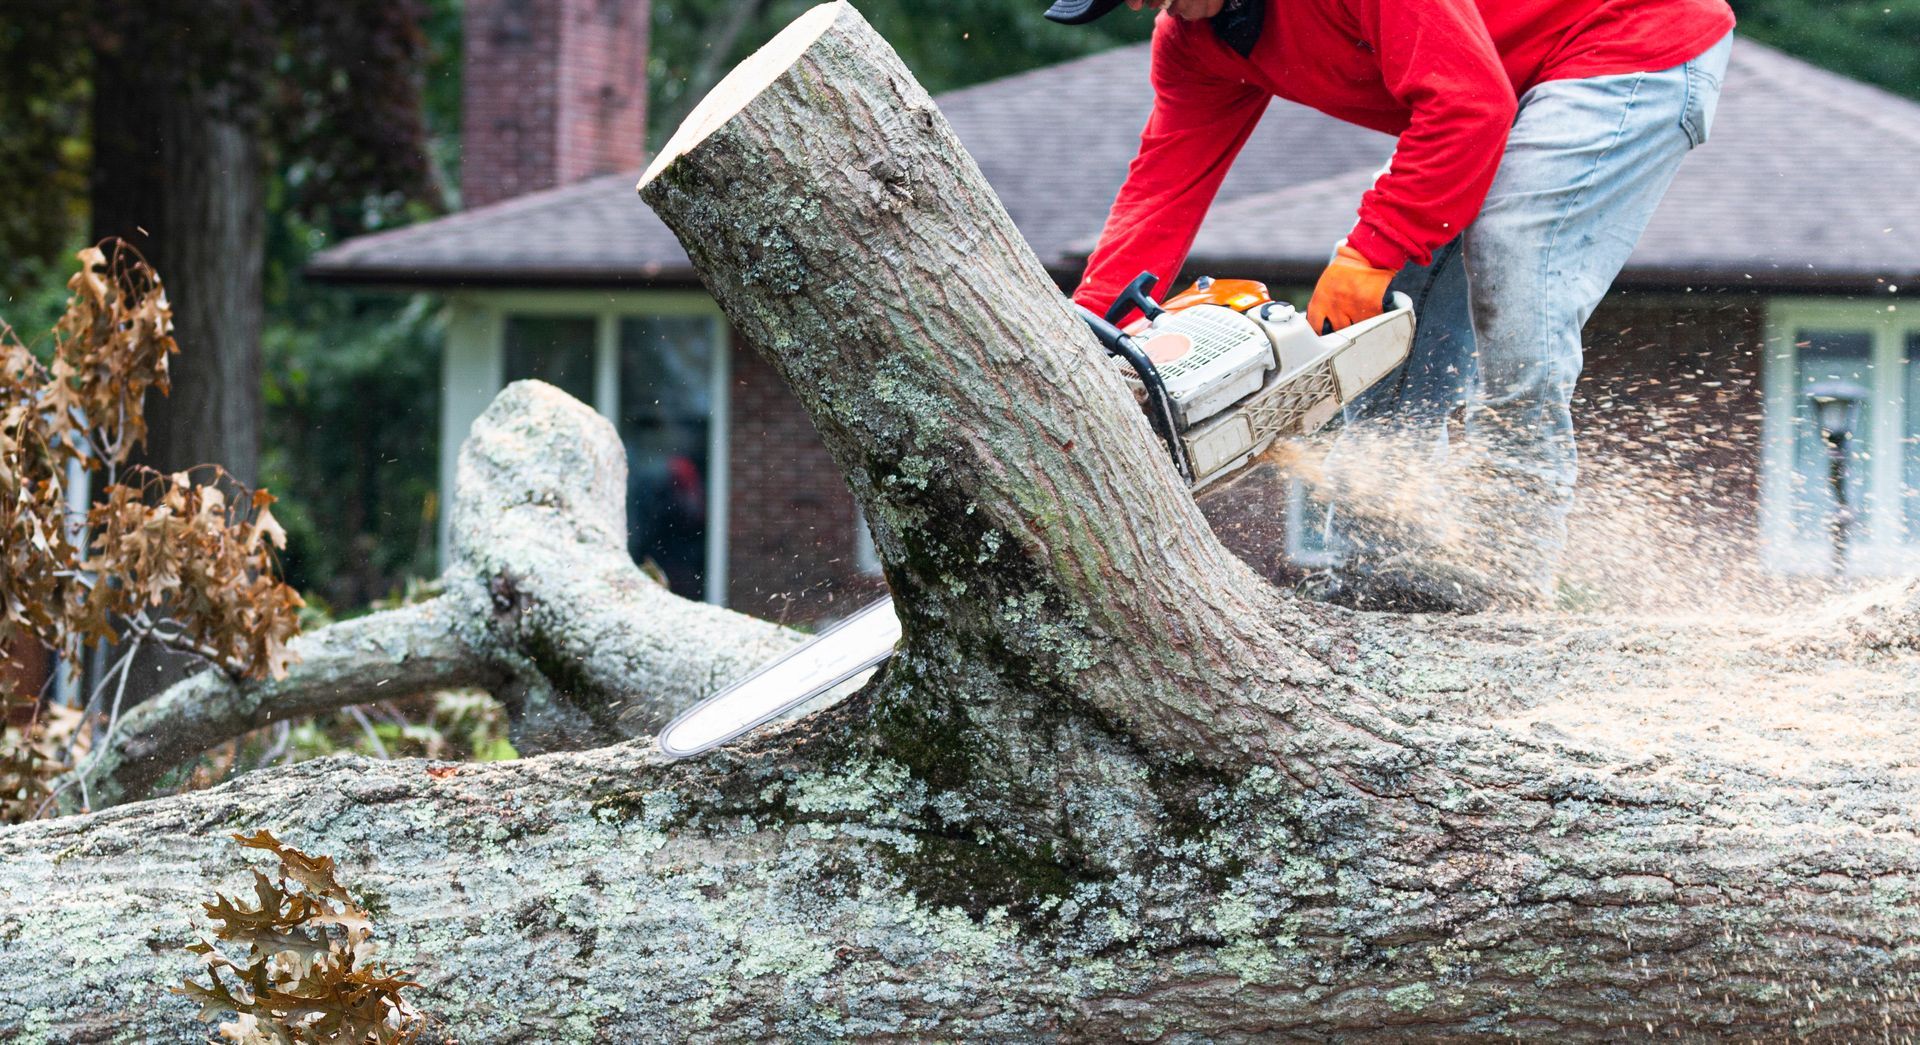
1111 787
178 174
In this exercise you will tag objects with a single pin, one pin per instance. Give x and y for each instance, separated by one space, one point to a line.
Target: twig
97 750
282 737
372 737
93 700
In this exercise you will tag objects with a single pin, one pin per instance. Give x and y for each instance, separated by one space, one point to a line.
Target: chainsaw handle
1159 404
1138 294
1111 337
1393 302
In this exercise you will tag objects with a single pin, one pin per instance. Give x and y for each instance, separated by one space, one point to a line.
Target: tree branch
383 656
540 554
542 606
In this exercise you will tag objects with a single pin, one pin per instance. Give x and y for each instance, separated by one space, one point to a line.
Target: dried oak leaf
309 975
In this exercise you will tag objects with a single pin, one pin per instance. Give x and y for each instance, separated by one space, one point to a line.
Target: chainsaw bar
828 659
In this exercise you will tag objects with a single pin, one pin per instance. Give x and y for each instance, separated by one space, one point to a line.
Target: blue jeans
1500 312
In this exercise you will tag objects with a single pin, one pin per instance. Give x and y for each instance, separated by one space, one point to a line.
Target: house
1778 259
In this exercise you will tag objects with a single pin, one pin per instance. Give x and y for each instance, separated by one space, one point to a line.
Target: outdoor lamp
1836 408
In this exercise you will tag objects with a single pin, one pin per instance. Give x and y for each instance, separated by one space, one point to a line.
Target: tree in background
1877 41
946 45
193 109
229 140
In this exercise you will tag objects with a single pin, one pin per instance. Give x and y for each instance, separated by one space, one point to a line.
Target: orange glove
1350 290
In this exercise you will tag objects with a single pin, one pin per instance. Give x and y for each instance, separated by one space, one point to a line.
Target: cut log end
744 84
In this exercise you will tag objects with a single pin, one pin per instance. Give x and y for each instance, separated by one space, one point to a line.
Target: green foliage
44 154
456 725
1877 41
352 435
352 425
308 974
946 45
331 89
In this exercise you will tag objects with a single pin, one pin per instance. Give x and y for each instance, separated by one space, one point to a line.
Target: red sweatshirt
1441 74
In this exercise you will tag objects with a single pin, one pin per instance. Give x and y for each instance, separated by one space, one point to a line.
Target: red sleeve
1199 122
1436 58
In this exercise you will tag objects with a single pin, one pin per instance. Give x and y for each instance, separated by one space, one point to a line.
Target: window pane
554 349
666 411
1827 355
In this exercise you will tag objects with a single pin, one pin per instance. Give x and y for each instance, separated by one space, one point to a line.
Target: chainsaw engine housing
1210 358
1240 370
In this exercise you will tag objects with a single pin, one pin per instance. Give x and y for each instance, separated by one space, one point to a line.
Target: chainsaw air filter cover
1210 358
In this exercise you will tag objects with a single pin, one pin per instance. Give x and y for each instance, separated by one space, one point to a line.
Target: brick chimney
555 91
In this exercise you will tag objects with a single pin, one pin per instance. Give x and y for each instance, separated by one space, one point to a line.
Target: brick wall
1675 389
554 91
790 517
23 666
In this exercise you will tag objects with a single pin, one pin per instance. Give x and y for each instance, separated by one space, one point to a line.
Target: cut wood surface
1113 786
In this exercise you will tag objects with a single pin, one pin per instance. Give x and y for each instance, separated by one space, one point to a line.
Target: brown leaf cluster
168 559
111 347
205 558
161 547
308 974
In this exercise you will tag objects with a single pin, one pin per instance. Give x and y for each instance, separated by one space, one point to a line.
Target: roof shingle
1797 186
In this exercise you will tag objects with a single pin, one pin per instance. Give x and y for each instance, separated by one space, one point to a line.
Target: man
1536 138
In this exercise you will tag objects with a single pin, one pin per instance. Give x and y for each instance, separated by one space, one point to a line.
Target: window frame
1298 553
474 371
1885 547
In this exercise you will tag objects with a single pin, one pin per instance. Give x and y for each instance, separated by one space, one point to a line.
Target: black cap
1079 12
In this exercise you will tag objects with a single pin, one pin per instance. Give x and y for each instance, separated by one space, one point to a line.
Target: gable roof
1796 188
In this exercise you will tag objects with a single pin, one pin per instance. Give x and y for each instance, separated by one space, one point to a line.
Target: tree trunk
180 178
1111 787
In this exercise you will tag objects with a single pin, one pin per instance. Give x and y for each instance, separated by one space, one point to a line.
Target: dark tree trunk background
179 174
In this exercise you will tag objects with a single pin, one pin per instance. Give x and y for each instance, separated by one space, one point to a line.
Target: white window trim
474 371
1884 549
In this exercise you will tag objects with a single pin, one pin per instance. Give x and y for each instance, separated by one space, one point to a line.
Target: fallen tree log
1111 787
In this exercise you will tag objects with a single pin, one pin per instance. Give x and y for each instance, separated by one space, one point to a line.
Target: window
556 349
666 412
1825 356
653 363
1876 347
1910 446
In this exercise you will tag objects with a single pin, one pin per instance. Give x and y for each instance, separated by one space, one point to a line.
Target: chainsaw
1222 371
